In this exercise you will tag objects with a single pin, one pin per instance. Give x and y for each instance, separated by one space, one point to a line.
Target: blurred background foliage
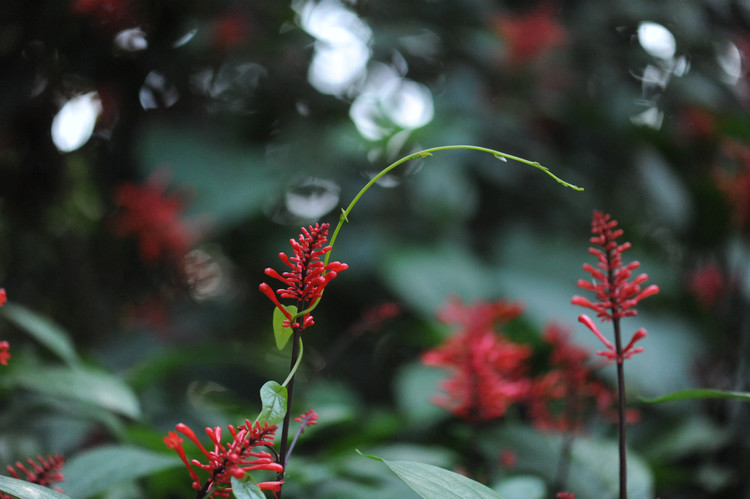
155 156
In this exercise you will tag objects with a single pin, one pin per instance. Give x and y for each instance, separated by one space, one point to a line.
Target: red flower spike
309 418
234 459
3 297
488 369
307 277
565 495
616 291
45 472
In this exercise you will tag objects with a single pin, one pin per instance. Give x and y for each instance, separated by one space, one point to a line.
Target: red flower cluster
309 418
234 459
530 35
561 398
308 276
153 217
488 369
616 294
45 473
4 345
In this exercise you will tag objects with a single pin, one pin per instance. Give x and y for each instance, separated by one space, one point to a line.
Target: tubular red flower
307 277
617 292
232 459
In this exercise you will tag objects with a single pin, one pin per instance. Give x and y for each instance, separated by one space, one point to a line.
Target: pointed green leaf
430 481
25 490
246 489
88 385
43 330
273 396
281 333
698 393
92 472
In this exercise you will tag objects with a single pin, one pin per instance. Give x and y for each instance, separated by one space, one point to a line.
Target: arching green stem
293 371
423 154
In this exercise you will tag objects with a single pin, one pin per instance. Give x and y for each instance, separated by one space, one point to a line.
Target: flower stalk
617 295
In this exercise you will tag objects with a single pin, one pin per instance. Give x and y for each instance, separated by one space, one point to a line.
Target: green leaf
93 472
430 481
523 487
698 393
43 330
84 384
246 489
593 462
26 490
281 333
273 396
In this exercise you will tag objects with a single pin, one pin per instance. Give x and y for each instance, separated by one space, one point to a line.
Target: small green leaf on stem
501 158
281 333
274 397
246 489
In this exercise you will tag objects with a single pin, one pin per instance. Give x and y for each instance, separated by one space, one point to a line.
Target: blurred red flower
488 370
529 35
563 398
153 217
4 345
111 15
707 284
736 187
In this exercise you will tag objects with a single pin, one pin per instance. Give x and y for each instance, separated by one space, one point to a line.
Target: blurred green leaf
43 330
415 386
411 274
93 472
431 482
697 393
227 180
281 333
593 472
84 384
25 490
274 397
246 489
522 487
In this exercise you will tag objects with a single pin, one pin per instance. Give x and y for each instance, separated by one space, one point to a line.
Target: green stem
293 371
423 154
428 152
